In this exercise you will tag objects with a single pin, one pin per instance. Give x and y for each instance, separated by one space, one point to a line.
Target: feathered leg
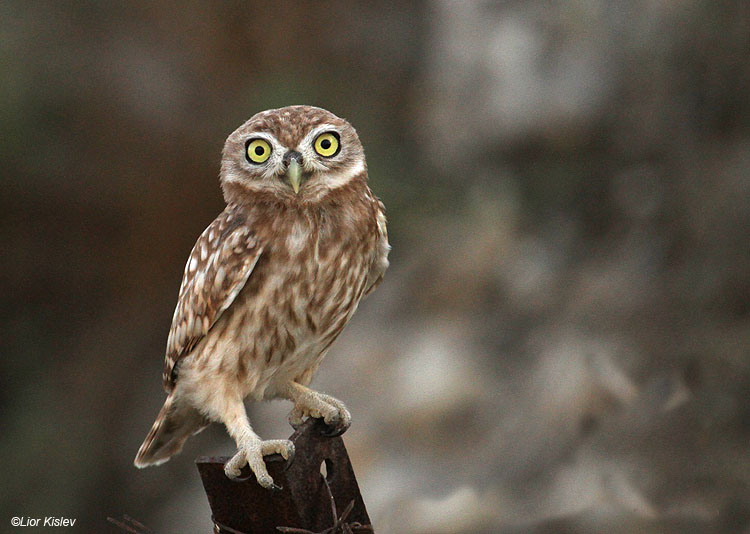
251 449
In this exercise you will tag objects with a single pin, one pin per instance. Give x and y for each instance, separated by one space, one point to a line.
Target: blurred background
562 342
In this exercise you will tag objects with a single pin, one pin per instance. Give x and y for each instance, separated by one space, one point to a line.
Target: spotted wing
218 268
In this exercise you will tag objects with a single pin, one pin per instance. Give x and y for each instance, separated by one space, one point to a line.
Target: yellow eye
258 150
327 144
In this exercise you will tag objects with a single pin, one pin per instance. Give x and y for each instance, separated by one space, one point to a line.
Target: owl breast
303 291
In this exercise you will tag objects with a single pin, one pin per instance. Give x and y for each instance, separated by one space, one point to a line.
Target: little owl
270 284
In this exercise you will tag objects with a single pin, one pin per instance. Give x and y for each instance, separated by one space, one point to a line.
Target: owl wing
218 268
382 248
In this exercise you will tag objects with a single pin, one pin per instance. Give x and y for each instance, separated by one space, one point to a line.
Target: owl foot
334 413
252 453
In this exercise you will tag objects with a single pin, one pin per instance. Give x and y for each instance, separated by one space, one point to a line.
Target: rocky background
562 343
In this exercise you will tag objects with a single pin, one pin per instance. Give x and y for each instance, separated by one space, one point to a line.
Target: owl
270 284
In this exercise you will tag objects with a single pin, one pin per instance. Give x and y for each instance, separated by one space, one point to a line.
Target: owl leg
309 403
251 449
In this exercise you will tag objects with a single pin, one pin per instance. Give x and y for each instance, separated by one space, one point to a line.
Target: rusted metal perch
308 502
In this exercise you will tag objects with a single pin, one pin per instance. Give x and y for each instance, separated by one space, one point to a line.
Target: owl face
294 153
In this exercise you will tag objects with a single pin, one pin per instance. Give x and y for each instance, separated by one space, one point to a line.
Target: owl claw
333 412
339 422
289 462
288 457
238 478
296 417
335 430
252 455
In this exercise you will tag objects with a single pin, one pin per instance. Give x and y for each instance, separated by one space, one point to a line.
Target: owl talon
287 453
336 429
340 421
335 426
308 403
287 464
252 455
284 447
233 471
289 460
296 418
239 478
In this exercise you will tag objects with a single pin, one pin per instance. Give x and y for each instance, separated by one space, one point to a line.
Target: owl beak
294 172
293 162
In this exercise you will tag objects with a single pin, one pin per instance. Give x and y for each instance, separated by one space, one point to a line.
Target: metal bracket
306 500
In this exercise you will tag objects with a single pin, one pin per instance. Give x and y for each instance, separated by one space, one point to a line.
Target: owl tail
175 423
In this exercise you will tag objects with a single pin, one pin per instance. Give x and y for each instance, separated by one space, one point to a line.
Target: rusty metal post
305 502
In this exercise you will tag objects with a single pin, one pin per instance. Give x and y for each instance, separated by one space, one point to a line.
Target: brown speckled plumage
271 283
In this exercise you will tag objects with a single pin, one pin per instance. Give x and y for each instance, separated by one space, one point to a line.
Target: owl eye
327 144
258 150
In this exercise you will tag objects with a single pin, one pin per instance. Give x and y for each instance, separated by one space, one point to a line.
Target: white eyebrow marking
344 176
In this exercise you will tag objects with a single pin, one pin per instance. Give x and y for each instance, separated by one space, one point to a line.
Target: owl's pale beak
293 162
294 172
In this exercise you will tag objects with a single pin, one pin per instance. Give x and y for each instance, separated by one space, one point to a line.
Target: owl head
296 154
